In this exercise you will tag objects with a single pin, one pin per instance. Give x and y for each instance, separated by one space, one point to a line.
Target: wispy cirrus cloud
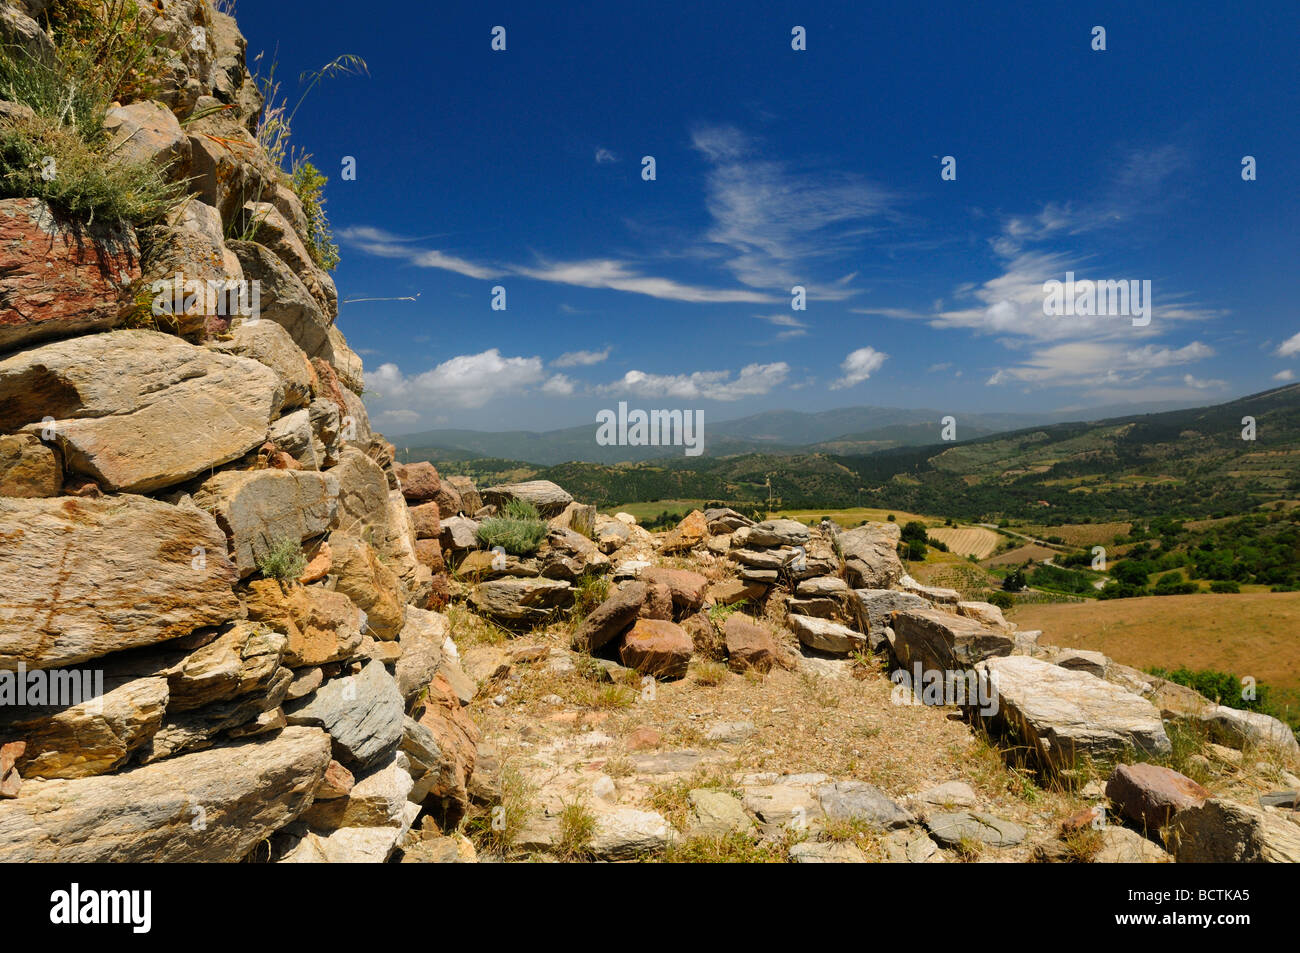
581 358
753 380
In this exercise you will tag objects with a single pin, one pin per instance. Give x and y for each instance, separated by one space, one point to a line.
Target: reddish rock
1082 820
658 603
425 519
644 739
730 591
658 648
420 482
57 280
84 486
457 737
330 387
687 587
449 501
689 533
336 783
750 645
10 781
319 566
1150 795
611 617
428 552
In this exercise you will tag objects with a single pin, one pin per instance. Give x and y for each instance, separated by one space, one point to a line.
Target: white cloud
858 366
1284 376
620 276
558 385
1199 384
377 242
782 320
469 380
581 358
1097 364
753 380
1290 346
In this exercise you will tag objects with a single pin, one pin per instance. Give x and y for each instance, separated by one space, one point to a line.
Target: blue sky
819 168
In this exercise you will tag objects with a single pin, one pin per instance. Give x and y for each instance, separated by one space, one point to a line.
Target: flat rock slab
80 578
626 833
951 829
362 713
942 641
259 509
824 635
521 602
717 814
778 532
857 800
611 618
139 410
1224 832
668 762
549 498
1069 715
211 806
826 852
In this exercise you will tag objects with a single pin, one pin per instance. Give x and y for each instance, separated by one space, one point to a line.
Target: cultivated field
854 516
968 540
1256 634
1081 535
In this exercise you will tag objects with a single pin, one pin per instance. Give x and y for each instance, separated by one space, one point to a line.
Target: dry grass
968 540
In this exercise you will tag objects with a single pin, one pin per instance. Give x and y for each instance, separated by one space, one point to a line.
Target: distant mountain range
843 431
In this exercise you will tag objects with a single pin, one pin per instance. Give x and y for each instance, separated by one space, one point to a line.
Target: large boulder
549 499
263 509
521 602
213 806
1149 795
657 647
57 280
1067 716
80 578
113 403
420 481
687 588
321 626
751 645
871 555
269 344
364 578
1224 832
875 608
778 532
146 132
942 641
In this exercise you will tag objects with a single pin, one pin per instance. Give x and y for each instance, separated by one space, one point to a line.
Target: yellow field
968 540
1256 634
854 516
1078 534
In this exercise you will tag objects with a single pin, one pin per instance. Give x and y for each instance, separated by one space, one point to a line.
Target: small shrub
1225 585
309 186
710 673
577 828
519 529
284 559
589 591
1002 600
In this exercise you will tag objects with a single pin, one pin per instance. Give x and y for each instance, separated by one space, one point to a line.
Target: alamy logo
965 688
656 428
1098 299
75 906
52 687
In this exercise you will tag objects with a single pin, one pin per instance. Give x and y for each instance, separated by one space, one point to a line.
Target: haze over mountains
841 431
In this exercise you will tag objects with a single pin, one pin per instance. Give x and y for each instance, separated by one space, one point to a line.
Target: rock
717 814
932 593
28 468
210 806
1080 660
826 636
443 749
267 226
11 782
1235 727
420 482
730 592
722 520
1119 845
827 852
321 626
578 517
116 399
261 509
687 587
1224 832
910 847
362 713
626 834
271 346
90 738
857 800
305 681
686 535
871 555
948 795
729 732
197 729
429 553
376 799
485 663
459 534
57 280
611 534
336 783
751 645
1067 715
371 585
318 565
422 639
543 494
950 830
347 845
822 586
285 299
782 807
985 613
243 658
1150 795
440 850
658 648
521 602
658 603
643 739
447 502
425 521
778 532
942 641
875 608
147 133
80 578
470 499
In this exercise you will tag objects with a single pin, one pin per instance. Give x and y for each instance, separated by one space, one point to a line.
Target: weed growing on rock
284 559
519 530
